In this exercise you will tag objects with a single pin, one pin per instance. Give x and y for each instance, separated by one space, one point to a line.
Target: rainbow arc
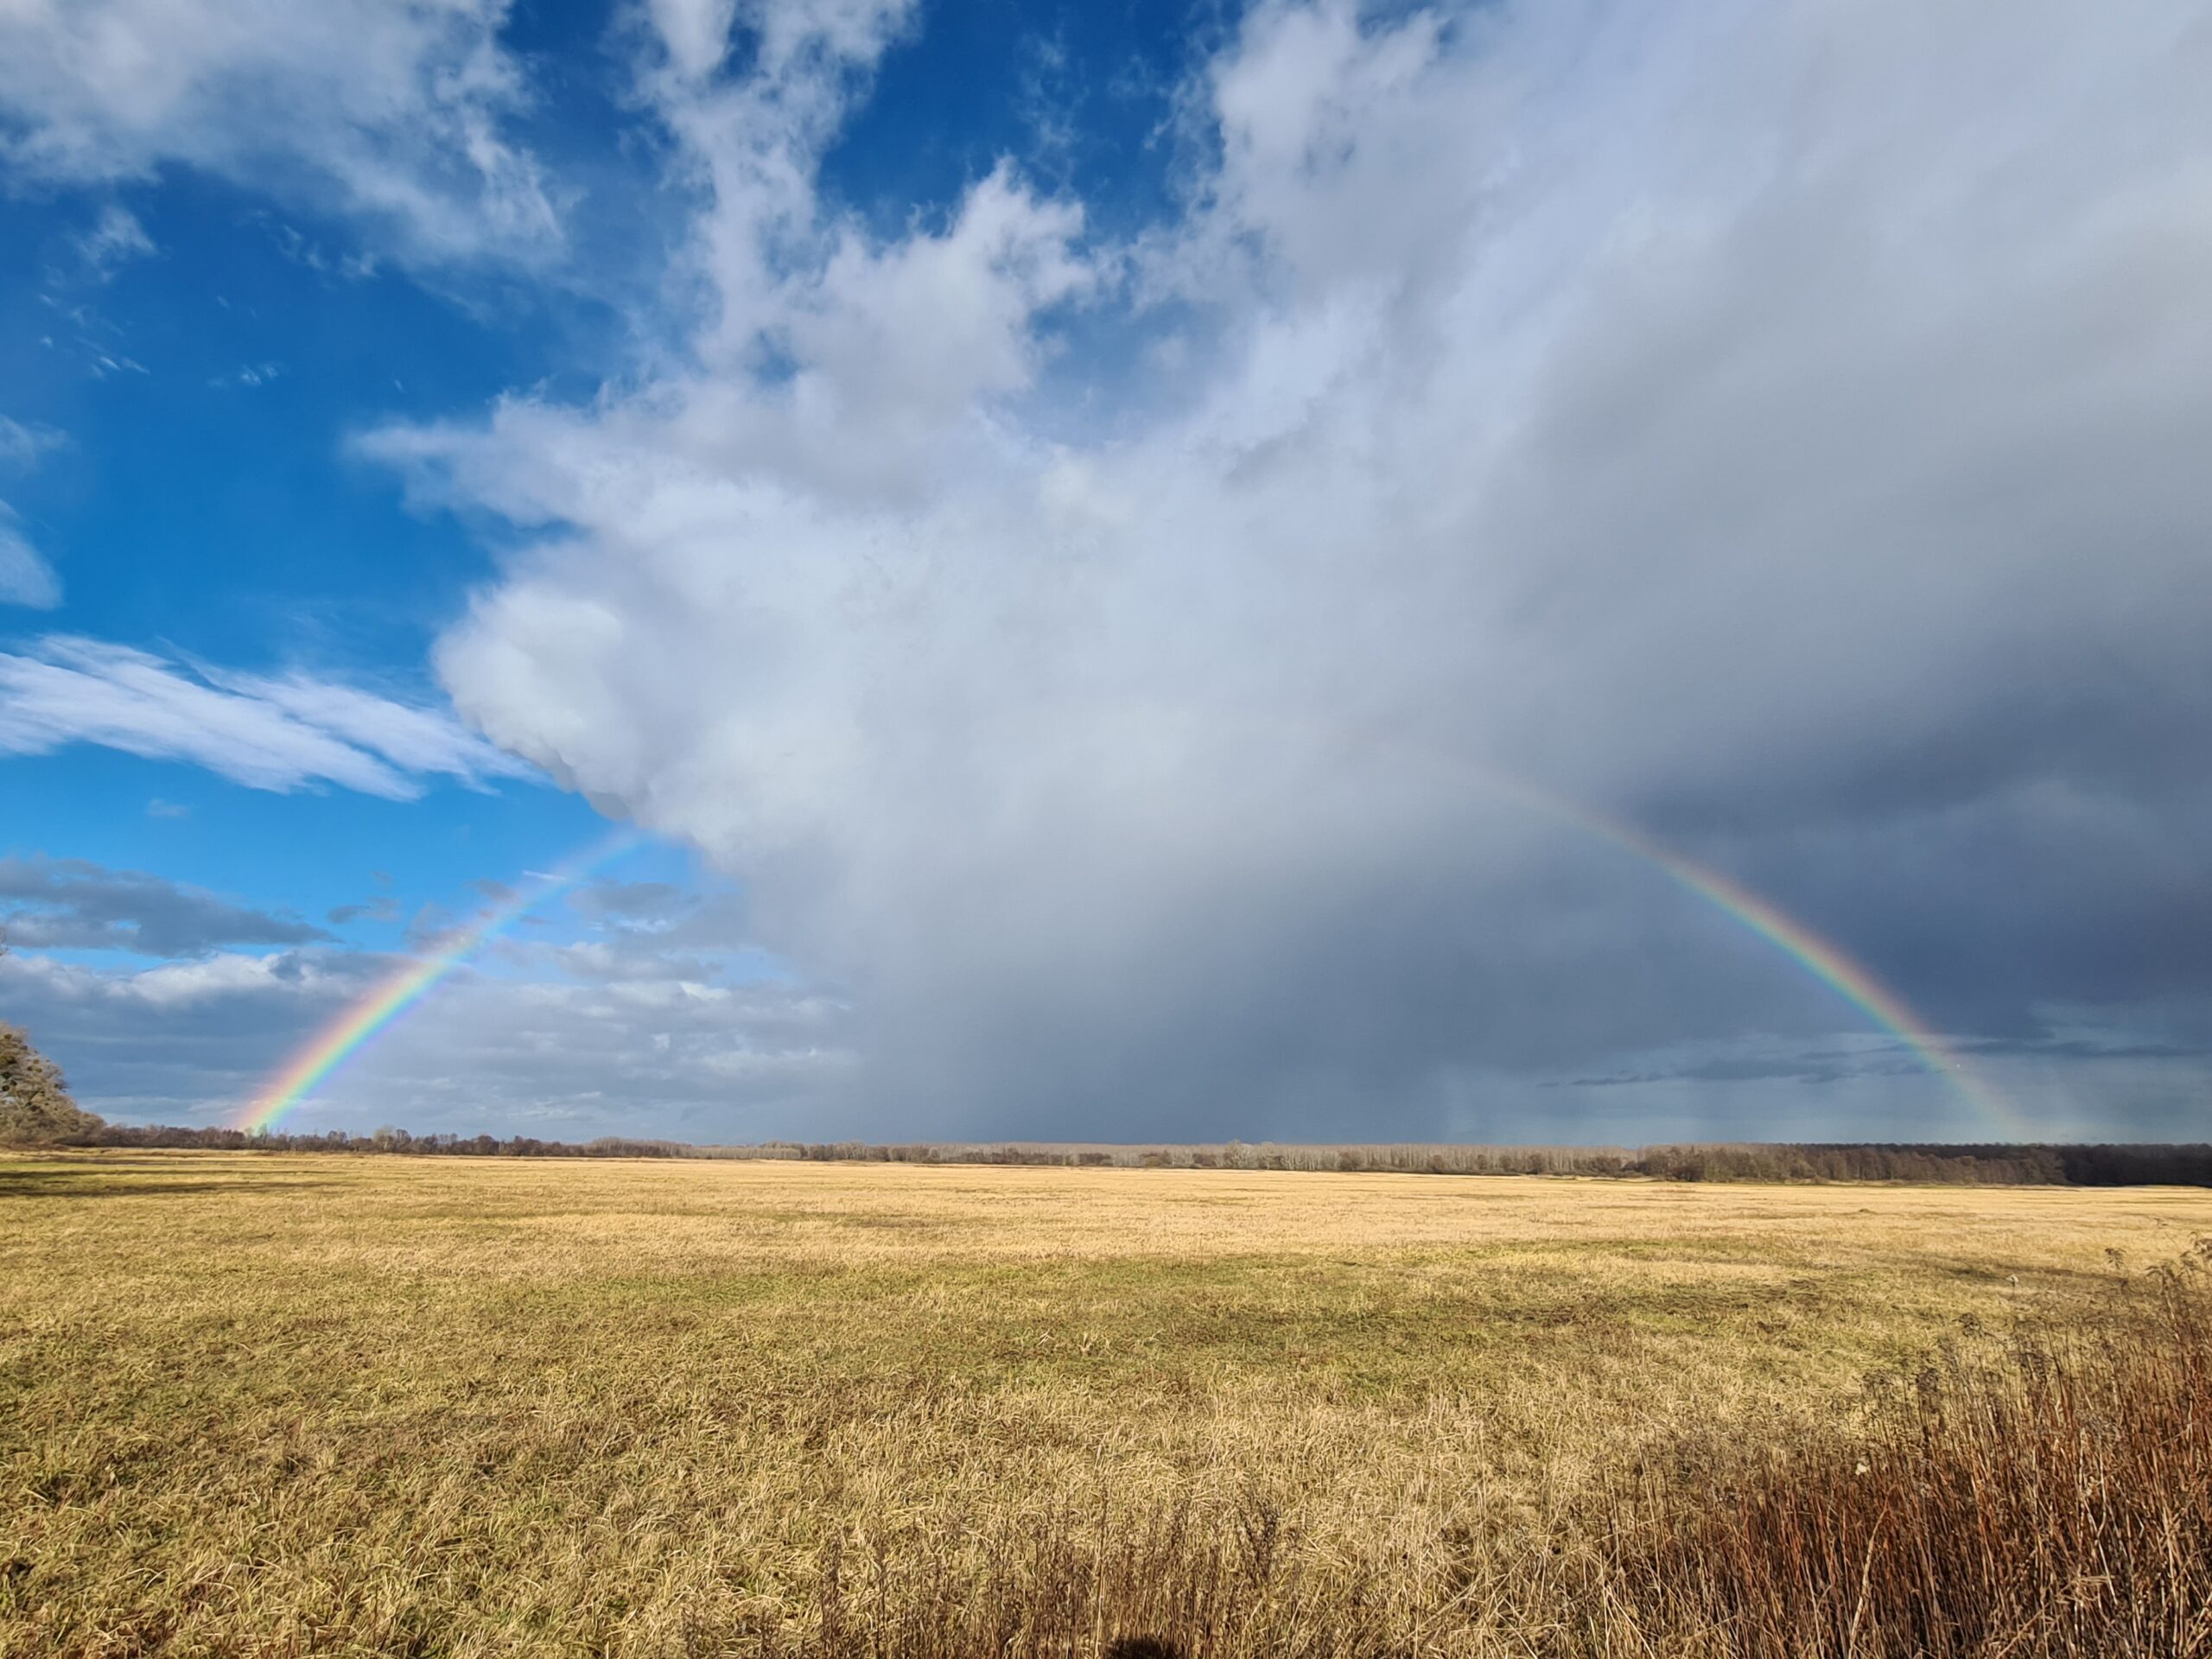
339 1041
1824 960
1827 962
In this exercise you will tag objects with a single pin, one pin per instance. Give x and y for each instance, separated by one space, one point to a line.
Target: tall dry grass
2046 1495
2054 1498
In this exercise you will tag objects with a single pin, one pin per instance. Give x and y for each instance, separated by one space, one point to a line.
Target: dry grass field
252 1404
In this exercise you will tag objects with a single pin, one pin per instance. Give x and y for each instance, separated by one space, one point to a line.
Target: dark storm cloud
70 904
1832 1067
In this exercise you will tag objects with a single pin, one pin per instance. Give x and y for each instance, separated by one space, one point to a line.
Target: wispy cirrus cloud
274 733
22 442
26 578
115 239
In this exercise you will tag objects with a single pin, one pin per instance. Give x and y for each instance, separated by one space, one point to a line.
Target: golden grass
252 1404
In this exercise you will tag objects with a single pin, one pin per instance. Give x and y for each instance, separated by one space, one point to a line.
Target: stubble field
252 1404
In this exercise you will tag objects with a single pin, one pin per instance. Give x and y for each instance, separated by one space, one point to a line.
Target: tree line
1995 1164
1981 1165
36 1110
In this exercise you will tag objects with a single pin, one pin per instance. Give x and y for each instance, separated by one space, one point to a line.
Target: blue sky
1078 531
199 502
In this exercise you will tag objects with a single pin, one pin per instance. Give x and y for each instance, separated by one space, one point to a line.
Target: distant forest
1994 1164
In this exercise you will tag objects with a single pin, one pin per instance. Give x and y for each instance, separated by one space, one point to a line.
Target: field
261 1404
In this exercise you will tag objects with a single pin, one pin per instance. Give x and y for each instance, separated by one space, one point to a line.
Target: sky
1568 572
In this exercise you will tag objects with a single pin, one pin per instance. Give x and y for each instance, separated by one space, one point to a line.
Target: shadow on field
98 1181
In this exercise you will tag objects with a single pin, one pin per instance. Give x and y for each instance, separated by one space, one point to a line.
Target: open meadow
272 1405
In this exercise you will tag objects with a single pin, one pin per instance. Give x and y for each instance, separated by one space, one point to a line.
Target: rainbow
341 1040
1826 962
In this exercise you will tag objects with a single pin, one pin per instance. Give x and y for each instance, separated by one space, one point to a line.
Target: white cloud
249 375
115 239
795 39
413 738
275 733
695 33
25 576
396 110
21 445
165 988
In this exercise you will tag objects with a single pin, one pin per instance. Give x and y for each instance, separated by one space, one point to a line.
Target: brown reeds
2053 1497
2044 1493
1174 1583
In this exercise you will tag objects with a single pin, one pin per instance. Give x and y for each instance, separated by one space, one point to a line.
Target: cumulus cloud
72 904
180 1040
401 112
1776 425
267 732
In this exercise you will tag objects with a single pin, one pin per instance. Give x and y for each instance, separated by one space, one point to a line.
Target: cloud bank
1778 425
631 1002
